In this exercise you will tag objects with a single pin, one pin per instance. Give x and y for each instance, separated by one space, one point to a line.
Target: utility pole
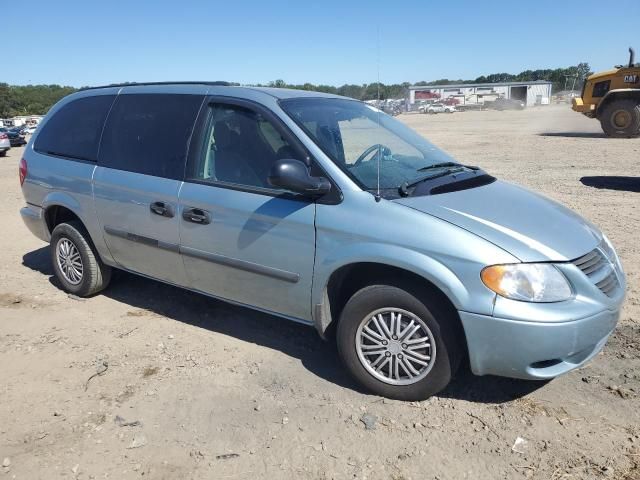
573 85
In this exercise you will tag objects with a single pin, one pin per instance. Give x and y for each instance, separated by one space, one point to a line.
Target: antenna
377 197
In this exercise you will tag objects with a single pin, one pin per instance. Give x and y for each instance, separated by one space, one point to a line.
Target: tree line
37 99
30 99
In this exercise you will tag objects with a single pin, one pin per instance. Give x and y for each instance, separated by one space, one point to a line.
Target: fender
63 199
86 213
625 92
407 259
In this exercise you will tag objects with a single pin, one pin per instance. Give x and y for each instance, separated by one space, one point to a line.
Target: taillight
23 171
3 136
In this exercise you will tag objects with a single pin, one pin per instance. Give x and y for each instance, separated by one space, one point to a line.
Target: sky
86 42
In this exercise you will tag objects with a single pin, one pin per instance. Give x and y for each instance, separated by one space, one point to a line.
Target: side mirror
294 175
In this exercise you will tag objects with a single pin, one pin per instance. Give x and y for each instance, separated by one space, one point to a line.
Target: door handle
162 209
196 215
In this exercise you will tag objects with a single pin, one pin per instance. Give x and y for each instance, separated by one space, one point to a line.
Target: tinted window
149 133
74 130
601 88
241 146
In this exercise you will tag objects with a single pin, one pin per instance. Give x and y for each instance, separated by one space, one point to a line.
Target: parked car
506 104
5 144
318 209
392 109
30 129
18 130
439 108
15 138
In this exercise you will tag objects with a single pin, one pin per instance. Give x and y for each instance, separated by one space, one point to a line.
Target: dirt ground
195 388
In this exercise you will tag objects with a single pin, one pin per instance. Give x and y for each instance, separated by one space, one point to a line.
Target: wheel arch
54 215
59 207
617 94
347 279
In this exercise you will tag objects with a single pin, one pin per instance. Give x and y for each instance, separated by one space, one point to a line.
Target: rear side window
74 130
149 133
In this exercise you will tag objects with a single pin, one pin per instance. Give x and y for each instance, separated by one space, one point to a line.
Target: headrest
223 135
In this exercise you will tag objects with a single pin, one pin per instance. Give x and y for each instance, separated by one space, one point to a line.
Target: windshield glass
355 135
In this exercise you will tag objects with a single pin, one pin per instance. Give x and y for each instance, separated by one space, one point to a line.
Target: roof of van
280 93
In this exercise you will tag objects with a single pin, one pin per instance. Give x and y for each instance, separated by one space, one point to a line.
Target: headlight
527 282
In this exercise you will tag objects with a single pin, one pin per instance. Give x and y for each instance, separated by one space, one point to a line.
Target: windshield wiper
439 165
403 189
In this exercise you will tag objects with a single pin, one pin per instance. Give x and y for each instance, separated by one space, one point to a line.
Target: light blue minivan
325 211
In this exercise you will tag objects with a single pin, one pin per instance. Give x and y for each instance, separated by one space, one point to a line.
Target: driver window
241 146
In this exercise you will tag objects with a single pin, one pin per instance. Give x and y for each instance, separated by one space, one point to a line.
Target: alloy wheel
69 261
395 346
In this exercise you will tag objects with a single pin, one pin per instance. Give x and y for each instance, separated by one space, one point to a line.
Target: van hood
525 224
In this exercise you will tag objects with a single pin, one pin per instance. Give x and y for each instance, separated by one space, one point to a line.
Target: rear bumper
33 218
534 350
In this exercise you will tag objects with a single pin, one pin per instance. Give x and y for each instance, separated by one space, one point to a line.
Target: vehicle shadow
298 341
625 184
573 134
488 389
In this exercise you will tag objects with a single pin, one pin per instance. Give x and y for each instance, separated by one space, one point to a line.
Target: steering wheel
384 150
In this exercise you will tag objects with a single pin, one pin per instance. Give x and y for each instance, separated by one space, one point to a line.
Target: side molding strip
151 242
209 257
241 264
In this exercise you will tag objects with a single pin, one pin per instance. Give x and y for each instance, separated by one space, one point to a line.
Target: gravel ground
195 388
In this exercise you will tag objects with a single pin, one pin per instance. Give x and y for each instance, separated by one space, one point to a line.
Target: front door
241 239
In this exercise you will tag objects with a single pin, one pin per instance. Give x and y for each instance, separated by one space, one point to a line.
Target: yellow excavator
613 97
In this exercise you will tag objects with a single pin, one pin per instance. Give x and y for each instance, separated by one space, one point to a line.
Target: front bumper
33 218
577 105
534 350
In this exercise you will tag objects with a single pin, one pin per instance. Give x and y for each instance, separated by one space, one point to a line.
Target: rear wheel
3 153
75 262
395 345
621 118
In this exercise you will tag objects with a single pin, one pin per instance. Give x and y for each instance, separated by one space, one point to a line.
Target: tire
621 118
430 378
94 274
3 153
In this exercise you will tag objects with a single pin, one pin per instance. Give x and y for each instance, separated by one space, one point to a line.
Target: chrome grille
600 270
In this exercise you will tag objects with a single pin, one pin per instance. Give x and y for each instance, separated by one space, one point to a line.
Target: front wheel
621 119
395 345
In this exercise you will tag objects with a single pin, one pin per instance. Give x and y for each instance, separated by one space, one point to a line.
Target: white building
532 93
22 120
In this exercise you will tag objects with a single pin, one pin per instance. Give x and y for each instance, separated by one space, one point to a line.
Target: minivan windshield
359 137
